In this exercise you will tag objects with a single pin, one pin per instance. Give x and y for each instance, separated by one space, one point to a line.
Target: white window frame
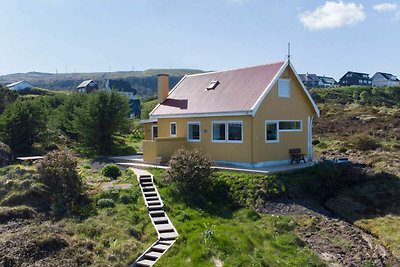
152 131
277 131
193 123
291 130
170 129
226 132
279 86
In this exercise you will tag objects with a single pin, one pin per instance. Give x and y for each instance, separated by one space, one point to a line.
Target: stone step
146 179
160 220
148 189
168 236
155 207
151 198
157 213
150 194
160 247
145 263
153 255
154 202
147 184
166 242
163 228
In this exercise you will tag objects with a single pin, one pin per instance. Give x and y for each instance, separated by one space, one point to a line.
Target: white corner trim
269 87
306 91
170 92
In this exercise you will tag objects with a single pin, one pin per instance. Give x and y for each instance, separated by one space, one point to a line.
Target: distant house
384 79
310 80
87 86
21 85
327 81
124 88
249 117
355 78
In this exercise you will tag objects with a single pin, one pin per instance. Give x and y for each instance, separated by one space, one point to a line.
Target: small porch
159 150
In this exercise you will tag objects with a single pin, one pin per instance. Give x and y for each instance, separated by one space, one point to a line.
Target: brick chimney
163 87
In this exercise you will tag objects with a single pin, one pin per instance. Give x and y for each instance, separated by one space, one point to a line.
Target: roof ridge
241 68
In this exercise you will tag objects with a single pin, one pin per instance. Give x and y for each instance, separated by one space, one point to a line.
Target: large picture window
290 126
227 131
218 131
273 128
193 132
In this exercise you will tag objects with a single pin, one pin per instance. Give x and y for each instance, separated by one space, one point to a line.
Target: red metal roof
238 91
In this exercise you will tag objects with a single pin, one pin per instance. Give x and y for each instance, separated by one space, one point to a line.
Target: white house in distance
21 85
384 79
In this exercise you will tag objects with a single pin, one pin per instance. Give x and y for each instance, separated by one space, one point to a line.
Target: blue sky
327 37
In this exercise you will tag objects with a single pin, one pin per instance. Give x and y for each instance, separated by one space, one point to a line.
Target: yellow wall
240 152
295 107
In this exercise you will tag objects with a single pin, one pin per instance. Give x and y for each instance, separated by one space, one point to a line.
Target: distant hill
144 82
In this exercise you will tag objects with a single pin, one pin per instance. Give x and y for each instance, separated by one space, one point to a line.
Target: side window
271 132
172 128
154 132
284 88
235 131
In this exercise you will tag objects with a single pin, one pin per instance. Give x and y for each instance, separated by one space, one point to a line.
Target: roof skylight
213 85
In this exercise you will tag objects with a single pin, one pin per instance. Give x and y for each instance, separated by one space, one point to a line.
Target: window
154 132
218 131
271 132
235 131
290 126
273 128
213 85
227 131
172 128
193 132
349 75
284 88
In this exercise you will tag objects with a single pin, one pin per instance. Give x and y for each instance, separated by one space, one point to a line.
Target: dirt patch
41 243
16 213
336 241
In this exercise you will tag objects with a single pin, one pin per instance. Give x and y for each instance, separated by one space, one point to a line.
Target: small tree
22 124
190 169
58 172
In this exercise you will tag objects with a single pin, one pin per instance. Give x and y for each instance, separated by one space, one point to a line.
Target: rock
5 155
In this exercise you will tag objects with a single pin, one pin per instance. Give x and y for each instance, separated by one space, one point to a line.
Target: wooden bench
296 155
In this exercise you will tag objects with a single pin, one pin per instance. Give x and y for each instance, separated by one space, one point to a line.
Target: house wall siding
296 107
238 152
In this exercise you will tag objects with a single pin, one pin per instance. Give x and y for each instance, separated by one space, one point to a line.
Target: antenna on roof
288 55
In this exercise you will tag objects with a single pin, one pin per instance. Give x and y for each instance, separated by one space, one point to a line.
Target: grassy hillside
361 123
364 124
145 82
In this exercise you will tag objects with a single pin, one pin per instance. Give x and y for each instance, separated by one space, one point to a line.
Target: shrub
189 169
105 203
364 142
111 170
58 172
5 155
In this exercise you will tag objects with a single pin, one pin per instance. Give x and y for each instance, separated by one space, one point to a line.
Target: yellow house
248 117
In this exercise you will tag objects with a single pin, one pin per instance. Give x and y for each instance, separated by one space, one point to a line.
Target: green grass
213 232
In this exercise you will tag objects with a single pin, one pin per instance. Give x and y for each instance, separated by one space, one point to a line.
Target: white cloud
333 15
383 7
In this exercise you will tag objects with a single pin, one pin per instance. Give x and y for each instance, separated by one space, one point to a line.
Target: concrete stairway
166 232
